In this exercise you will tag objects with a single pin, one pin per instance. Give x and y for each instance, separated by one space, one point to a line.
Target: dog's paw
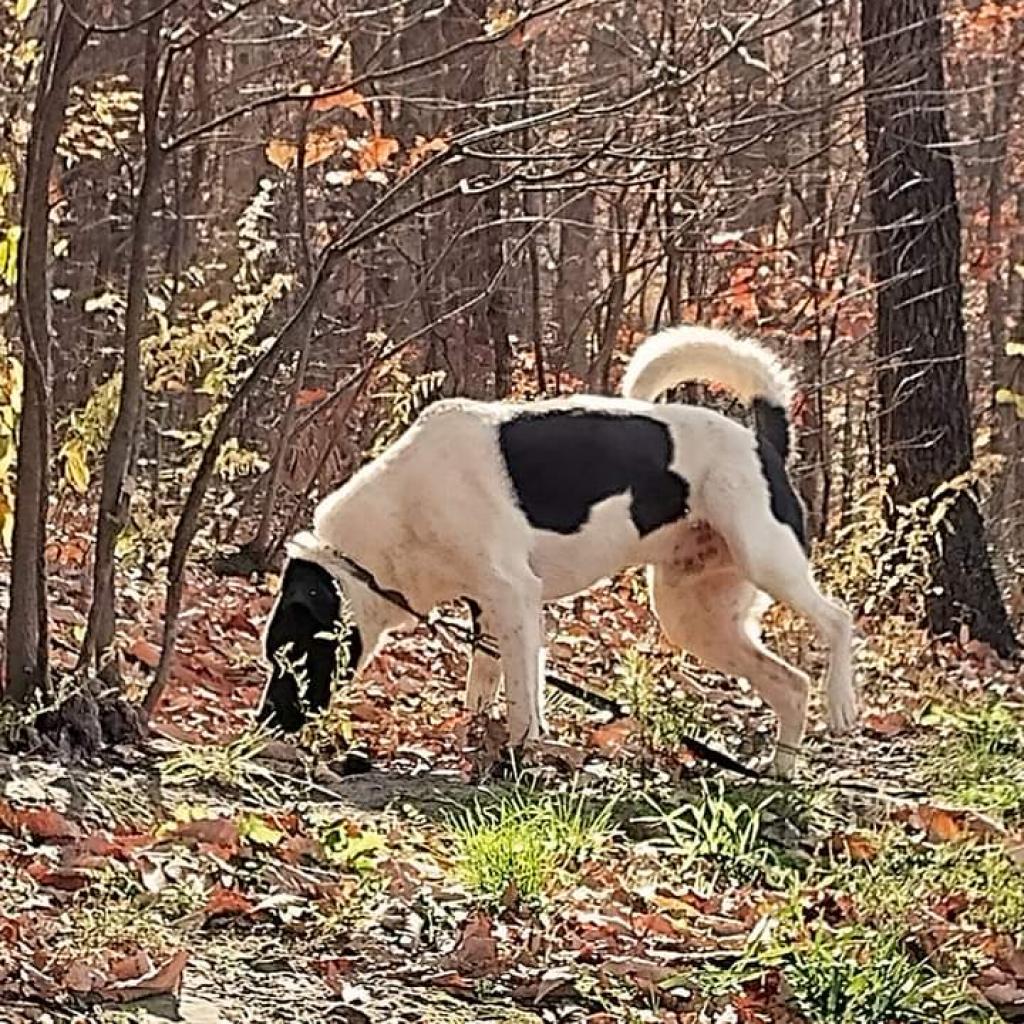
783 767
843 712
545 751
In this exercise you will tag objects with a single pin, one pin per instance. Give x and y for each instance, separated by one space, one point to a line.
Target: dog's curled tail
693 353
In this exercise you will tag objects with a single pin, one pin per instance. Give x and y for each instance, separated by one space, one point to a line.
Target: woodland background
242 244
250 241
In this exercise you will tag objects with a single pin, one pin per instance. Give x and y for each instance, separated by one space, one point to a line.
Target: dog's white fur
436 518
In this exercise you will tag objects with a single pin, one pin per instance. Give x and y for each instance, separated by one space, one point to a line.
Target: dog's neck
372 614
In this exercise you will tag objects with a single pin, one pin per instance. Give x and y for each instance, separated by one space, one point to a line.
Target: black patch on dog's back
563 463
308 606
786 504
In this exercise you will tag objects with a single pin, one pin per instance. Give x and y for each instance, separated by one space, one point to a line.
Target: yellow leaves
321 146
6 522
346 99
1004 396
76 469
7 184
282 153
9 254
23 8
1015 348
500 20
11 384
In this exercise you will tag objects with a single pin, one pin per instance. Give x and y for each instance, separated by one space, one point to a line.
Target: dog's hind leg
769 555
711 616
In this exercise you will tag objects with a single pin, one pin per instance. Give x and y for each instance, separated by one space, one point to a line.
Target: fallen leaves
949 824
476 952
137 977
423 148
39 823
224 902
612 738
892 723
857 846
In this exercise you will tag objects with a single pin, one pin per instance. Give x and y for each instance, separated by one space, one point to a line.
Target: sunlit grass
522 844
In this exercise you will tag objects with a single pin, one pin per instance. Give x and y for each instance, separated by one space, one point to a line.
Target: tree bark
27 624
118 464
924 423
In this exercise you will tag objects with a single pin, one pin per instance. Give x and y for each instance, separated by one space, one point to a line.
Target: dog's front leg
518 627
484 677
484 669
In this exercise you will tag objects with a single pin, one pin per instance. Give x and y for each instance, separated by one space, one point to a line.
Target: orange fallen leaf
39 822
225 902
156 981
309 396
146 652
891 723
940 825
321 146
612 737
131 966
423 148
282 153
855 845
477 950
656 924
221 832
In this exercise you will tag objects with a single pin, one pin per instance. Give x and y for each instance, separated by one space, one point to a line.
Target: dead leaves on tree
344 99
319 146
369 157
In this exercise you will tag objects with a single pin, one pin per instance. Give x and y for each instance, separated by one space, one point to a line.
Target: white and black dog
511 505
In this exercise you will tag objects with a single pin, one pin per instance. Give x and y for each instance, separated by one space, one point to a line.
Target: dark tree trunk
118 463
27 633
925 429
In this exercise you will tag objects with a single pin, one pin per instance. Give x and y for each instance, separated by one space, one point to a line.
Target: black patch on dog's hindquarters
308 605
786 505
563 463
772 424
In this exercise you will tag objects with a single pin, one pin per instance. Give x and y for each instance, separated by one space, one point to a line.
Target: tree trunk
924 419
27 632
118 464
1009 430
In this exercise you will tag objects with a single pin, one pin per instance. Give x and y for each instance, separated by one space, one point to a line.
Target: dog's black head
303 636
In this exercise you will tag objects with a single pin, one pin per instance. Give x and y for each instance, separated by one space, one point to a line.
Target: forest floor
207 876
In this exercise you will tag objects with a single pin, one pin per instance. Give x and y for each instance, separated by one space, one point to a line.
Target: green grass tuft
860 976
719 840
907 876
526 842
980 764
